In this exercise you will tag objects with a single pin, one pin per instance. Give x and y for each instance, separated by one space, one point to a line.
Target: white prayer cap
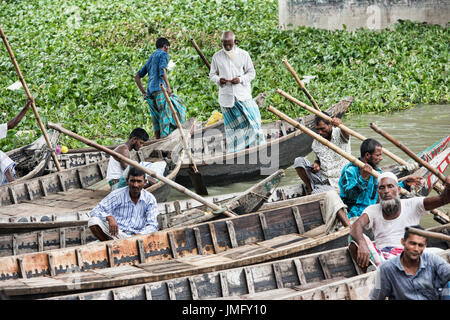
387 175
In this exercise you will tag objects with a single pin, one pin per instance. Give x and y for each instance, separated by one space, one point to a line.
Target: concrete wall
332 14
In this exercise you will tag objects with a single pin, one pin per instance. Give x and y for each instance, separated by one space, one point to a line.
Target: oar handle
341 126
408 152
442 218
300 83
137 165
33 106
183 137
428 234
200 53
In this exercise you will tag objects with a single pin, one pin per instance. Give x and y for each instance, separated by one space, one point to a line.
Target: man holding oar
232 71
156 68
388 220
414 275
358 187
7 173
125 212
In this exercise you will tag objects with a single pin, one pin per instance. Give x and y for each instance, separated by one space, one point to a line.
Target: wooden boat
222 244
259 281
52 238
283 144
31 160
75 188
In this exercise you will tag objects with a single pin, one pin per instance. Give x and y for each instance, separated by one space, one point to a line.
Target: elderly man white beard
390 206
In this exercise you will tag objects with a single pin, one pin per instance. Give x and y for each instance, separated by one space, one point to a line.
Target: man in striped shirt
125 212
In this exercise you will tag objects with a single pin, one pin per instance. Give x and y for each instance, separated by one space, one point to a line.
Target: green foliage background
79 59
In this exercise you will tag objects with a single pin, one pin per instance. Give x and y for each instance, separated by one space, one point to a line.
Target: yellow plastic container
215 116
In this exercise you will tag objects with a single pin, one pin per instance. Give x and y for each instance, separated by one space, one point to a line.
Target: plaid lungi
242 125
162 118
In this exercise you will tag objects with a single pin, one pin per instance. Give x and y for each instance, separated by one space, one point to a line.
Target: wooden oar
200 53
33 106
342 126
119 156
439 216
196 177
300 83
428 234
408 152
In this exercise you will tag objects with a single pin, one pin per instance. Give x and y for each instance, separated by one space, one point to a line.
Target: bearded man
388 220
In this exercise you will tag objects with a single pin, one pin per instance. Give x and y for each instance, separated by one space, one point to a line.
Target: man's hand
223 81
336 122
113 227
315 167
169 91
235 80
29 101
363 255
144 94
414 181
366 171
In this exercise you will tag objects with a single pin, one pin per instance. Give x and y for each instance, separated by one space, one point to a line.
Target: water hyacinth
79 59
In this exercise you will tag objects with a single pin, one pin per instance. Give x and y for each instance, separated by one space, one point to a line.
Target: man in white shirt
324 173
232 71
7 173
116 167
388 220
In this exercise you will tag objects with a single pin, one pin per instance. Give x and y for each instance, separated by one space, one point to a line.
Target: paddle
194 174
33 106
408 152
200 53
342 126
439 216
300 83
428 234
146 170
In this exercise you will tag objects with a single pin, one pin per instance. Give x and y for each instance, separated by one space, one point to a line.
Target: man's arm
356 231
138 80
9 175
249 71
104 210
151 224
123 150
336 122
166 80
352 184
15 121
434 202
214 71
382 288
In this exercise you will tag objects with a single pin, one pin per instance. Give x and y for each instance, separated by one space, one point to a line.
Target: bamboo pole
442 218
300 83
408 152
200 53
137 165
342 126
33 106
428 234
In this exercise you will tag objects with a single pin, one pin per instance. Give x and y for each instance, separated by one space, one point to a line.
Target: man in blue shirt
156 68
414 275
358 188
125 212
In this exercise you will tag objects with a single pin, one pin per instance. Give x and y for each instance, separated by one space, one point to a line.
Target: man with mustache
358 187
115 166
232 71
414 275
388 220
125 212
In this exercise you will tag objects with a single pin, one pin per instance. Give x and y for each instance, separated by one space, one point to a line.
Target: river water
416 128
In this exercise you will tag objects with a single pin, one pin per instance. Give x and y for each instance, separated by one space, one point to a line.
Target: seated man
7 172
358 187
388 220
324 173
116 167
414 275
125 212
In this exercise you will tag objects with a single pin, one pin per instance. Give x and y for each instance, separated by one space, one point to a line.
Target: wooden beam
232 233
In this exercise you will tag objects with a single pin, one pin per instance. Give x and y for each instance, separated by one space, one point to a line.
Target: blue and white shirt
154 67
132 218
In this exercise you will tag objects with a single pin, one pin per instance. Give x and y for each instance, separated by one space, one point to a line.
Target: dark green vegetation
79 59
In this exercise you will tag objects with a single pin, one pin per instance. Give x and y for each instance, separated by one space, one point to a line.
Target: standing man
7 172
156 68
414 275
358 187
388 220
115 166
324 173
125 212
232 71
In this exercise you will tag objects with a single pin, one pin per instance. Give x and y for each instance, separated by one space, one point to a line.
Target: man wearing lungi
232 70
156 68
7 165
